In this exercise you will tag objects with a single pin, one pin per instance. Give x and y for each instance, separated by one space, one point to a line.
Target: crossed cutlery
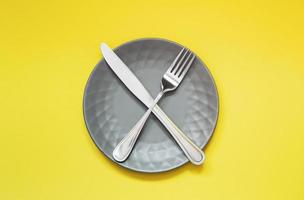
170 81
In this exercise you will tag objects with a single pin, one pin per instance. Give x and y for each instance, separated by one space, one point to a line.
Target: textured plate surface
111 110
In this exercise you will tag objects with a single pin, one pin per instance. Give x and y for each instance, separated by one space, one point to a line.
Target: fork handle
124 148
192 152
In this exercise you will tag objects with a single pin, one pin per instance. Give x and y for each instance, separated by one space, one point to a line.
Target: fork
170 81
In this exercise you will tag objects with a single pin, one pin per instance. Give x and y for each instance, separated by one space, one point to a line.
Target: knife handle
126 145
192 152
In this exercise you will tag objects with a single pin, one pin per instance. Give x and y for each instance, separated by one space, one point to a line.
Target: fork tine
184 64
175 61
183 73
179 62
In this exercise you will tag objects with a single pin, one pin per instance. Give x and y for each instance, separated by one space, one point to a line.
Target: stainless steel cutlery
170 81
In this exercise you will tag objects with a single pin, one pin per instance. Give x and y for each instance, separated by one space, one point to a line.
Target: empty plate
110 110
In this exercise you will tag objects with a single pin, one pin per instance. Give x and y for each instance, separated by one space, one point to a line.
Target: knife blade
192 152
126 75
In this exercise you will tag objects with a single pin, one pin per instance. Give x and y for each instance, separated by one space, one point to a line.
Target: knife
192 152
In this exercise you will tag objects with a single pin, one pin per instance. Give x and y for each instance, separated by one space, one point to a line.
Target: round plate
111 110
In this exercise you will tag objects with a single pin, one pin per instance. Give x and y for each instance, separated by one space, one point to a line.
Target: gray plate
110 110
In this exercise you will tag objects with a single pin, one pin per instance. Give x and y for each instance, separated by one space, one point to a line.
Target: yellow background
254 50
